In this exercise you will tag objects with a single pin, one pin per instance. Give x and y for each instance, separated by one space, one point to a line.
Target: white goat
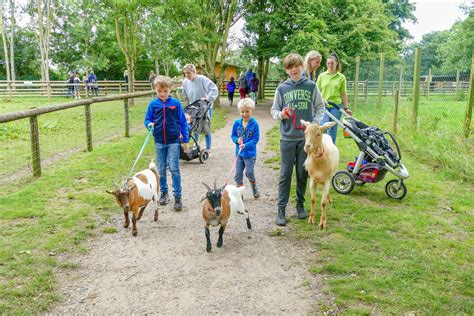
321 163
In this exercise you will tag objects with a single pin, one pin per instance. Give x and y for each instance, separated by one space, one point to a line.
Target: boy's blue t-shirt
250 134
170 122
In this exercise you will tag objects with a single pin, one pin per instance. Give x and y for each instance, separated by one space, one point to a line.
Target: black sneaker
302 214
178 205
164 198
280 219
256 193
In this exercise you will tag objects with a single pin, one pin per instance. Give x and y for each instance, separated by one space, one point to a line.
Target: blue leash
150 130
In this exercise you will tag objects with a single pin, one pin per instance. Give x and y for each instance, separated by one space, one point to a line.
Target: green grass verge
44 218
392 257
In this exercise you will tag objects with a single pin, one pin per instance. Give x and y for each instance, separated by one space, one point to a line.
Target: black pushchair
375 159
198 122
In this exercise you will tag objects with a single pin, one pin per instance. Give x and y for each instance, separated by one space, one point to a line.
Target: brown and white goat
321 163
136 193
219 204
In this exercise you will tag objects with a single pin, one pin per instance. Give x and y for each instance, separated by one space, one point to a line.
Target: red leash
233 167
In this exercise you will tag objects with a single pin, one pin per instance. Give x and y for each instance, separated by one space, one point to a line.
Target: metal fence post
416 85
35 148
87 109
356 83
127 122
468 114
379 96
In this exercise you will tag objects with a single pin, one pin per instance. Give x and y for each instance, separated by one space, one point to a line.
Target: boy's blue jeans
332 131
208 136
168 154
249 165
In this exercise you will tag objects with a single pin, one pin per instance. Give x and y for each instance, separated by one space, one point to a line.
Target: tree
12 40
4 42
399 12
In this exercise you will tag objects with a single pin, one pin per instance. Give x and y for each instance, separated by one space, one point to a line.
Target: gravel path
166 269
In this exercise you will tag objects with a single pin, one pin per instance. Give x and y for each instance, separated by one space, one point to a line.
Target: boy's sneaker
300 211
256 193
280 219
178 205
164 198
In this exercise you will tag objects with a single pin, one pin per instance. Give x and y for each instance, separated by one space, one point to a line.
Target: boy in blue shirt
245 135
166 116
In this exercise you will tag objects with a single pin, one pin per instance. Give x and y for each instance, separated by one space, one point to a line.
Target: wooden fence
33 114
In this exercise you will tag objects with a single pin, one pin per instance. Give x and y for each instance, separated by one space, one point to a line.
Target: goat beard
318 153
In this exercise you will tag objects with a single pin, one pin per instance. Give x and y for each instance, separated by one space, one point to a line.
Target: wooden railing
33 114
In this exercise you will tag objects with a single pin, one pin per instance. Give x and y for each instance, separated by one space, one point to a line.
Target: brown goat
136 193
215 211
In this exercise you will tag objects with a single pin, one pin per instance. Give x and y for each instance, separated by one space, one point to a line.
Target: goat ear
131 188
110 192
305 123
202 199
327 125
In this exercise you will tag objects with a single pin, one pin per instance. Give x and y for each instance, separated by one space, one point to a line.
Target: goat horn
207 187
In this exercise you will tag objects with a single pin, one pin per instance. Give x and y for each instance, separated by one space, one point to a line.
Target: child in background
245 135
166 116
230 89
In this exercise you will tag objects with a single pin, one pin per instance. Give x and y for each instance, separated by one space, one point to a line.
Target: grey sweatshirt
198 88
304 98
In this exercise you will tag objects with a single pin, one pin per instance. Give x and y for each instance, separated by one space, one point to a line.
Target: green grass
42 219
393 257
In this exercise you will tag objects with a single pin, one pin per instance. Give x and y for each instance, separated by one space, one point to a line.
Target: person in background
253 84
333 87
242 85
248 76
230 86
312 61
198 87
70 84
125 79
93 85
151 79
77 86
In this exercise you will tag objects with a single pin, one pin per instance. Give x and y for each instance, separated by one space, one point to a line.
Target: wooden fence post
395 111
416 85
468 114
356 83
366 90
457 85
87 109
105 86
120 88
35 148
379 96
428 85
127 122
9 90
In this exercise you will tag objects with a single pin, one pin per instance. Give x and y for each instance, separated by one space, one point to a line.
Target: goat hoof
311 221
249 225
208 249
125 225
134 233
219 243
322 226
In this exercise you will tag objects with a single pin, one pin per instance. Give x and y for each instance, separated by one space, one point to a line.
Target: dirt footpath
166 270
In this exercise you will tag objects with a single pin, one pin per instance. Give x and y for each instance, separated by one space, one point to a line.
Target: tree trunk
261 88
4 42
157 66
12 41
263 83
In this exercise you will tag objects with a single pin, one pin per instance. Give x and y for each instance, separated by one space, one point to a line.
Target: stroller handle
337 106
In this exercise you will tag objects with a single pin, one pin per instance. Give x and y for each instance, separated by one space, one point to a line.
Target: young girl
245 135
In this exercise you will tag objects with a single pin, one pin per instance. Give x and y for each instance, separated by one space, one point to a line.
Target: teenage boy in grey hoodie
295 99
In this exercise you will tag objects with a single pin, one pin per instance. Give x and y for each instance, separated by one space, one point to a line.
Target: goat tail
152 165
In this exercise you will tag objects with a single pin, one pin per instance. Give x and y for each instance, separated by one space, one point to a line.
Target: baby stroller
375 158
198 122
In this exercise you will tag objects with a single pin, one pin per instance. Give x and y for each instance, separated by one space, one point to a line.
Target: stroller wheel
203 156
394 190
343 182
